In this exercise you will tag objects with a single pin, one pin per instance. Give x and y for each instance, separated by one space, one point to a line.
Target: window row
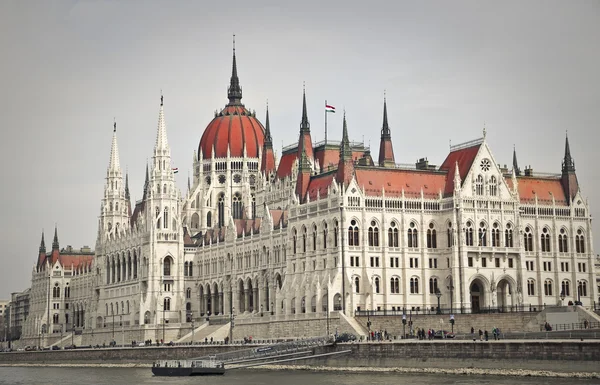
565 288
395 285
546 244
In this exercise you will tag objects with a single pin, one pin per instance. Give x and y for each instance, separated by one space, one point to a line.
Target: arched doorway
476 291
504 295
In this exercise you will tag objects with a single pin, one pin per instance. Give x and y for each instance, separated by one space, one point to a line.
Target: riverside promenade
566 356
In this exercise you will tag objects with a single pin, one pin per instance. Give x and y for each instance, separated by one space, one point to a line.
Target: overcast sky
528 69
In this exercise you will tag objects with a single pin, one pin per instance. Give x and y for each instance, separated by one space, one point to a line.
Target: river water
134 376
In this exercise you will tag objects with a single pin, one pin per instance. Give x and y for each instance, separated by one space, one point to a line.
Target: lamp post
327 313
403 325
113 323
451 288
562 298
192 319
164 319
271 308
122 331
452 322
261 309
438 294
231 324
73 334
579 293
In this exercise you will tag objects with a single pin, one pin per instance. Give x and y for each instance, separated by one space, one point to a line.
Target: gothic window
582 288
55 318
393 235
135 265
528 239
165 188
565 288
303 239
167 266
116 206
493 186
486 165
548 287
253 201
376 284
56 291
221 209
356 285
185 269
530 287
580 242
237 206
414 285
469 234
353 233
118 270
314 238
412 236
110 205
545 240
188 293
508 236
237 178
67 292
496 235
324 235
395 285
482 234
433 285
166 218
450 238
294 241
563 246
335 234
373 234
431 237
479 185
191 269
167 305
221 179
209 219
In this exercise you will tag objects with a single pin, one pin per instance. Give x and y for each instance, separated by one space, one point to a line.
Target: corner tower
386 150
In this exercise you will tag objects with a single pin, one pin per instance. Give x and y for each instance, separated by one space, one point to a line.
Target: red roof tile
285 165
75 260
465 158
319 184
395 180
544 188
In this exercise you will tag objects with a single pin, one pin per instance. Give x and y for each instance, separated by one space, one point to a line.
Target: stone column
263 299
255 300
213 303
227 301
235 299
205 303
246 300
221 308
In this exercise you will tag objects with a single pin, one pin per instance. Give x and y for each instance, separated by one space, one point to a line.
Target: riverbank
316 368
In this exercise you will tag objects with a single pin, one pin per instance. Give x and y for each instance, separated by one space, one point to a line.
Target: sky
527 70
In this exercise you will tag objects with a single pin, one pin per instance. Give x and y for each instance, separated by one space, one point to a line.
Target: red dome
234 127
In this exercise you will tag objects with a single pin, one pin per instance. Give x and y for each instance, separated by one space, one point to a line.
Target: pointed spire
568 162
345 150
234 92
114 164
127 185
268 138
146 183
55 241
385 130
42 244
161 134
457 180
189 184
516 168
304 124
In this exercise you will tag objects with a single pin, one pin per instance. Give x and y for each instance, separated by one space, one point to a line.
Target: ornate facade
324 228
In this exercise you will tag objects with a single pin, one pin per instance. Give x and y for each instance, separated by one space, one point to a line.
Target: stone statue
519 297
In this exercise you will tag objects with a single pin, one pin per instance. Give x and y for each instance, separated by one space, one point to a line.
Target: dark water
134 376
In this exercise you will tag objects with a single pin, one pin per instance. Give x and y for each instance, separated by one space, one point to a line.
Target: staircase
188 337
352 324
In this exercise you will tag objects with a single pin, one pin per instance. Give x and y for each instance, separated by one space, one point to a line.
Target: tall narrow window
325 236
563 243
545 240
314 237
530 287
412 236
414 285
548 287
431 237
565 288
167 305
395 285
528 239
493 186
479 185
167 266
469 234
580 242
294 241
356 285
508 236
433 285
449 236
495 235
373 234
221 209
237 206
353 234
166 218
376 283
393 235
482 234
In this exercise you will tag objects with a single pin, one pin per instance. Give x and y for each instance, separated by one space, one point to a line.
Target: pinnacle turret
516 168
114 164
55 245
345 149
127 186
234 92
386 149
385 129
304 124
268 138
568 164
146 183
42 245
161 135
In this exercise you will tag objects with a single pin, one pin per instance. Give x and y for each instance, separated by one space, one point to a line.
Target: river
134 376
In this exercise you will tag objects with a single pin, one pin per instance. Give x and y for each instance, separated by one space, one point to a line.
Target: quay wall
565 356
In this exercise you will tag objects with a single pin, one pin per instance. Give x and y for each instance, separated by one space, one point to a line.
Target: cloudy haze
529 70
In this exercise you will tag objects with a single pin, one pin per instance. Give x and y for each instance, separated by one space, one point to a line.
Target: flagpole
325 122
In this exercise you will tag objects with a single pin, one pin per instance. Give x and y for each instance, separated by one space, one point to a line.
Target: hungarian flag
175 170
329 108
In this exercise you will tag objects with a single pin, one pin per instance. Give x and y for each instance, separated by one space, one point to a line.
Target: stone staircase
351 323
188 337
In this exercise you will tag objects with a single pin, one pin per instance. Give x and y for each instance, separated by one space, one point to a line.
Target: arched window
479 185
565 288
127 306
221 209
412 236
431 237
496 235
185 269
469 234
414 285
393 235
582 287
165 188
67 292
314 237
548 287
508 236
376 283
55 318
167 266
450 238
191 267
493 186
167 305
324 236
353 234
253 201
373 234
433 285
209 219
395 285
303 239
545 241
580 242
116 206
563 241
335 233
56 291
237 206
166 218
528 239
356 285
195 221
530 286
482 234
294 241
188 293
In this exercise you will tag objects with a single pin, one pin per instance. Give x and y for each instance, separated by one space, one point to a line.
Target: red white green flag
329 108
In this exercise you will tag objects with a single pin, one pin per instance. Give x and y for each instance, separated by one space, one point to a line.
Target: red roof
465 158
247 226
395 180
328 157
75 260
544 188
285 165
280 218
319 184
233 127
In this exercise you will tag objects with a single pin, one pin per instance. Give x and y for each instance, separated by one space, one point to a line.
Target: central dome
234 127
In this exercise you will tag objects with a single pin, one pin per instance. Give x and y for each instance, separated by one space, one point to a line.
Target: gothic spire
345 150
268 138
161 135
42 244
146 183
234 92
304 124
127 186
515 164
568 162
114 164
386 149
385 129
55 241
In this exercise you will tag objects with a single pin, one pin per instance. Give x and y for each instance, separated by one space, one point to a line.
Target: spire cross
161 98
234 43
115 124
